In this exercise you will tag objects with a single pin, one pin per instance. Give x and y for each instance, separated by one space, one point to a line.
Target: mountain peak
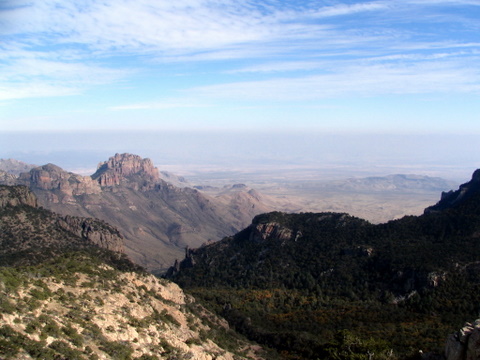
122 166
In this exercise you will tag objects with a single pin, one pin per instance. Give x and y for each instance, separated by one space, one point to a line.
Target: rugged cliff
29 229
465 343
127 169
453 199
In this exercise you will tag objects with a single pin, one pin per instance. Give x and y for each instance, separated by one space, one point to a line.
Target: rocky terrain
93 311
157 219
67 292
465 343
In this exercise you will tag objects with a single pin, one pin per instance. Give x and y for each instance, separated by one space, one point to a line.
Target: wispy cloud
364 79
162 105
343 9
38 74
58 47
281 67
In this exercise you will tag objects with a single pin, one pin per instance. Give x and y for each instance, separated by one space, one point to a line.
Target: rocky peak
454 198
126 168
46 177
62 185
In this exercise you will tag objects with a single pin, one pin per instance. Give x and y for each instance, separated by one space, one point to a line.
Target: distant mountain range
397 182
157 219
314 284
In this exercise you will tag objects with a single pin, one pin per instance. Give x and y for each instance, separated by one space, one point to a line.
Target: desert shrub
33 326
117 350
6 307
66 351
74 337
40 294
148 357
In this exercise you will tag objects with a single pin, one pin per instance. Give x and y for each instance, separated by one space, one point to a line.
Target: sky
406 67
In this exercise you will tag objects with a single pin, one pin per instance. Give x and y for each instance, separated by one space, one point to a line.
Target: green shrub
66 351
117 350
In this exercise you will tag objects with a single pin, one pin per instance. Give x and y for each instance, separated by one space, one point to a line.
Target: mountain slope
76 307
294 281
66 295
30 234
157 219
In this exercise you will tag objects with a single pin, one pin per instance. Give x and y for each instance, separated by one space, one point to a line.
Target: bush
117 350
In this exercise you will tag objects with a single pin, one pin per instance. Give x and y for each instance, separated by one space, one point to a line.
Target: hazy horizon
255 155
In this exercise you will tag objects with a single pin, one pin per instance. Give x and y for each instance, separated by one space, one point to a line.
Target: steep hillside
76 307
31 234
68 293
297 281
157 219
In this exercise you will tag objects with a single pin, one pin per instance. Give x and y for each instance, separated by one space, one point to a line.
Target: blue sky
409 66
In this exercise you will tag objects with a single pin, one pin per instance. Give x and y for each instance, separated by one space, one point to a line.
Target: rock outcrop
16 196
7 178
127 169
465 343
270 231
95 231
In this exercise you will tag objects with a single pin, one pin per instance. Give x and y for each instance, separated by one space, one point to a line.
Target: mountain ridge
156 218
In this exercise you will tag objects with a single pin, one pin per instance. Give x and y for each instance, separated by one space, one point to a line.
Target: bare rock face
465 343
270 231
123 168
94 230
16 196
